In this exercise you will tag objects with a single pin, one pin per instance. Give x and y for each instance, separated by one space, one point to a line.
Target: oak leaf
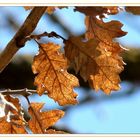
13 122
103 31
51 67
100 68
41 121
82 55
12 105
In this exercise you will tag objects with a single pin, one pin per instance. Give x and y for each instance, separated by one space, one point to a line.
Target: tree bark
19 40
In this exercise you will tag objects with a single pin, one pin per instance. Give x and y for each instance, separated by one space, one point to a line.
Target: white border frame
71 3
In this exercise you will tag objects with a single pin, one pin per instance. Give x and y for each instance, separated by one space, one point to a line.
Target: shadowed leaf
100 67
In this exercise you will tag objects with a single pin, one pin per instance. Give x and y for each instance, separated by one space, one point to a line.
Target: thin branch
38 36
25 92
18 40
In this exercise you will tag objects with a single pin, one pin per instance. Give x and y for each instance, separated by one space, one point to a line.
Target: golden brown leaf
82 55
13 122
104 32
14 105
100 68
15 126
107 78
134 10
51 67
41 121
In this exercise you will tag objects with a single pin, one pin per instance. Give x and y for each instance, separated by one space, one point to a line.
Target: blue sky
105 116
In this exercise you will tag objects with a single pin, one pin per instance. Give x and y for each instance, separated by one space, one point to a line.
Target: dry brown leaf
82 55
107 78
104 32
15 126
41 121
100 68
110 62
134 10
13 122
14 105
51 67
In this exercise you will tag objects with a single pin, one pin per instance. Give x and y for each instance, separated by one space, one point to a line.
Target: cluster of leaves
96 56
14 123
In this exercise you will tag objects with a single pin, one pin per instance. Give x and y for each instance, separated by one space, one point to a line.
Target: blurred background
96 112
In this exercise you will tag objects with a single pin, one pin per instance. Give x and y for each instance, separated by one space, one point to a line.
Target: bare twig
25 92
18 40
38 36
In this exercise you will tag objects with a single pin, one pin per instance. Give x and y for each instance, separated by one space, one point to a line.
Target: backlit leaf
14 126
13 122
97 65
103 31
12 104
51 67
41 121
